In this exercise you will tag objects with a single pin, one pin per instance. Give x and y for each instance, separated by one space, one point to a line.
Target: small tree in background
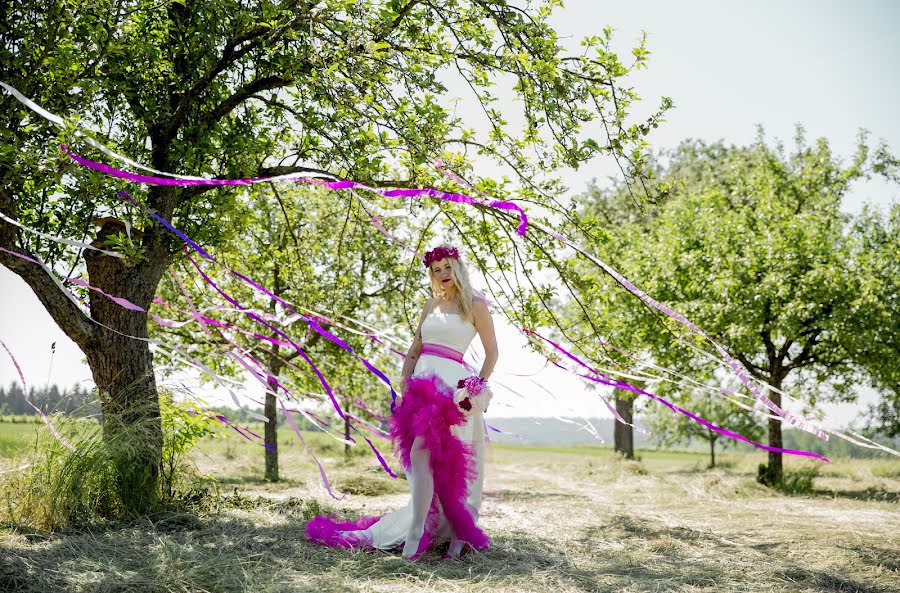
675 429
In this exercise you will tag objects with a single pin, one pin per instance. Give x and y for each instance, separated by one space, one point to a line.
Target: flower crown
439 253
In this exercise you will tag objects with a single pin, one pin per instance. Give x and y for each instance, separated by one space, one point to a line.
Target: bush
798 481
183 427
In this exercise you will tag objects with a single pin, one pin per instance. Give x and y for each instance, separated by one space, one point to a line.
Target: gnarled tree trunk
122 367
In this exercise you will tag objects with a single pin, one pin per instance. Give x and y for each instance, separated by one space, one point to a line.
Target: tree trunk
271 431
775 470
623 435
347 437
122 367
712 449
271 409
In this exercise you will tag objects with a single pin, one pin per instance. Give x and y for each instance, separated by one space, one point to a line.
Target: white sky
828 65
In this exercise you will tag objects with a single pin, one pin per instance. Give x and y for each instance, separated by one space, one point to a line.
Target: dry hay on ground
561 522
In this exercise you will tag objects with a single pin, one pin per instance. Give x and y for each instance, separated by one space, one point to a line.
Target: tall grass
111 474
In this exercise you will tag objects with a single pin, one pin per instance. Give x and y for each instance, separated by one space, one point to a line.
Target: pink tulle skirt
427 411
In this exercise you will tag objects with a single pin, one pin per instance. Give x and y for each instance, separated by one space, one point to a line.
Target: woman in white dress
438 427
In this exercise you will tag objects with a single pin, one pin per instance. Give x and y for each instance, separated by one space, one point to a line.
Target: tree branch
806 357
64 312
266 83
230 55
756 371
67 315
401 14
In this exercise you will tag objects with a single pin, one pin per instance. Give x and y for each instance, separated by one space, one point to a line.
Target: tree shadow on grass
669 555
878 557
264 549
868 495
819 580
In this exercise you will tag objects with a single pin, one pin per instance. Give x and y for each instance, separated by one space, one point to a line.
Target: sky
728 66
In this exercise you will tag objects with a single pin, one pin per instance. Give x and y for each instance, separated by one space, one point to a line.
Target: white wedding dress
451 331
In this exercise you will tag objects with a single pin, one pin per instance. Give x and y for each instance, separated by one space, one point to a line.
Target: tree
232 89
878 250
752 246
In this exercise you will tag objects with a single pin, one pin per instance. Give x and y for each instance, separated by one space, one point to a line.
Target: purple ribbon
603 379
261 321
243 432
335 185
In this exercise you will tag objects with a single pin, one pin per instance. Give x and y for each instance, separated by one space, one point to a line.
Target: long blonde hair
464 293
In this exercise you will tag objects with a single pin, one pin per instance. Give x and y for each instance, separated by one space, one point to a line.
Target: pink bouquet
472 394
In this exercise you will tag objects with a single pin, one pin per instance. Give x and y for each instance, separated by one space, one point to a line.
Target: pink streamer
322 474
122 302
376 221
335 185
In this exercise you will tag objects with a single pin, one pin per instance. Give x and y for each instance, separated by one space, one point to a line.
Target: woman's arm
484 325
415 349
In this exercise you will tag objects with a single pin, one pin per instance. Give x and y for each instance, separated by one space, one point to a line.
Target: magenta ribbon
335 185
603 379
241 432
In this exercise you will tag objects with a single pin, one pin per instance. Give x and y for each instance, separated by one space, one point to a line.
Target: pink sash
441 352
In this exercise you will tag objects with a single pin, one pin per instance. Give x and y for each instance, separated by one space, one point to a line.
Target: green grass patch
17 438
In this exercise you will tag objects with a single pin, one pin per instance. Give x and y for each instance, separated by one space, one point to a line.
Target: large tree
752 245
236 89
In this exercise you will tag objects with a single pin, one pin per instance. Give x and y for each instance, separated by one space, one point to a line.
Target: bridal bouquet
472 394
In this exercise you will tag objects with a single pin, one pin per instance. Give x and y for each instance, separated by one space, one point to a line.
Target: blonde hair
464 293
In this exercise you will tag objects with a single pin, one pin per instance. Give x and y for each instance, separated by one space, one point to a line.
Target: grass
562 519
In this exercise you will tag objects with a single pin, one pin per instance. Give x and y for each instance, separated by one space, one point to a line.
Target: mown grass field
561 519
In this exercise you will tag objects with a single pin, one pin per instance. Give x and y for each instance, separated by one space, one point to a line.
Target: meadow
562 519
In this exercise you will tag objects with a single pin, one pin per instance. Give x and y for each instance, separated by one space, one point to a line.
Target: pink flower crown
439 253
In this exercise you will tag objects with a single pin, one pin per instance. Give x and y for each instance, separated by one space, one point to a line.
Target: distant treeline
555 432
76 400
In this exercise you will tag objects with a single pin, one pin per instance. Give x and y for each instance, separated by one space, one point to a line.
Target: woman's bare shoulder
480 305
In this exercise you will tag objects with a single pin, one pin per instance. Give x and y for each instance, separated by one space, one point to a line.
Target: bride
438 427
